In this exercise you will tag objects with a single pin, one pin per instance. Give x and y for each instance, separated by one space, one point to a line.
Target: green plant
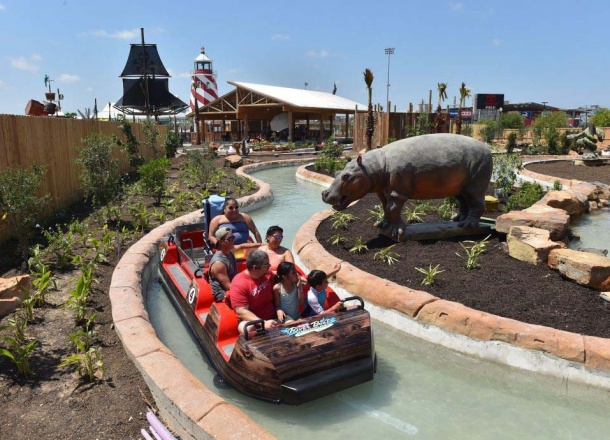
79 296
446 209
505 171
80 228
511 142
336 239
413 213
557 186
21 204
466 130
473 252
153 178
140 216
87 359
551 136
61 245
359 246
464 93
601 118
341 220
151 134
171 144
387 255
525 196
376 213
99 174
430 274
491 130
42 282
420 127
18 349
131 146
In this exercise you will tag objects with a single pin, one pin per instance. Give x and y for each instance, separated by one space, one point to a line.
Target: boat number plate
308 327
192 295
162 254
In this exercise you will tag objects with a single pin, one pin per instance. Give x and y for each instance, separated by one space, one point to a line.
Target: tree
442 95
464 93
601 118
153 177
370 120
513 120
546 126
20 202
99 176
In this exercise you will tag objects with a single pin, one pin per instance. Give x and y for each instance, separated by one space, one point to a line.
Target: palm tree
370 120
464 93
439 121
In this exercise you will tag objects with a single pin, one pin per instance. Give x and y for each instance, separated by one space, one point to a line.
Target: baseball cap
221 232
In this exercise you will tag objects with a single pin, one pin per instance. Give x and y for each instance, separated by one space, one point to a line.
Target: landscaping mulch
502 285
568 170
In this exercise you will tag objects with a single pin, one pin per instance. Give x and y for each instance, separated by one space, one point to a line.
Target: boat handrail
355 298
258 324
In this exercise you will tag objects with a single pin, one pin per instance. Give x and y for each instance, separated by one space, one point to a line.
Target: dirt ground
566 170
56 404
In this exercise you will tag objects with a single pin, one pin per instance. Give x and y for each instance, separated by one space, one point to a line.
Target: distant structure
146 84
203 87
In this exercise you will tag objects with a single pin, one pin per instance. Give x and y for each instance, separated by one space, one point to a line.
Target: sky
550 51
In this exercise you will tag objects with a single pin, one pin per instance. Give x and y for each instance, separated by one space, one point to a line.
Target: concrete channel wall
531 347
187 406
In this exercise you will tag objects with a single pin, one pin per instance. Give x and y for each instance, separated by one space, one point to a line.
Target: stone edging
532 347
186 405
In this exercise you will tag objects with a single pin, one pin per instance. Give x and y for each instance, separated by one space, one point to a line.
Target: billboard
488 101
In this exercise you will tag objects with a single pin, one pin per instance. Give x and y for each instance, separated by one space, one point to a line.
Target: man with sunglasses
252 291
222 273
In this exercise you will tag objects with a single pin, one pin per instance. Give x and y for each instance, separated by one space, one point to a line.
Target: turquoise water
420 390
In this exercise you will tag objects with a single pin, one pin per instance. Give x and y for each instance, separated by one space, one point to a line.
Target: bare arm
252 227
335 269
288 257
276 297
213 228
219 271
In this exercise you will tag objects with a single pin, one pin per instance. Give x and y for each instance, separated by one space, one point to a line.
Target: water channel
420 390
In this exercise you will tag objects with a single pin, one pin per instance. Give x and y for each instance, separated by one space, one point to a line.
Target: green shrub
153 177
171 144
99 176
511 142
330 158
528 194
505 171
131 146
21 206
467 130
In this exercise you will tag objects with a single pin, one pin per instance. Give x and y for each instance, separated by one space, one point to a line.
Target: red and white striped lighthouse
203 87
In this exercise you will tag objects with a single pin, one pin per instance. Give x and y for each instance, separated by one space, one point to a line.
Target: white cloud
22 63
183 75
2 7
68 78
280 37
322 54
121 35
456 6
234 70
3 85
89 89
35 57
495 41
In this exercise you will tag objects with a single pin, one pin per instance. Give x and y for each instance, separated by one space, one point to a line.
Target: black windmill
146 84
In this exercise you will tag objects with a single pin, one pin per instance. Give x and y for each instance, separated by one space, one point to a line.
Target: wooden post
321 138
347 125
290 122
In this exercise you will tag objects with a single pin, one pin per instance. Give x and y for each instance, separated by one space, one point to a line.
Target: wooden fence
53 142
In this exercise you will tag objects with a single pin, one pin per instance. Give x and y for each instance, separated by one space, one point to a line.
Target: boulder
12 291
556 221
234 161
531 245
584 191
585 268
565 200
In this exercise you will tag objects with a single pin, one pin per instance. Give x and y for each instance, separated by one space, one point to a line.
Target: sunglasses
230 239
278 237
232 208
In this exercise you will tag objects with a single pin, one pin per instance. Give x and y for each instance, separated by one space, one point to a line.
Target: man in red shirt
252 291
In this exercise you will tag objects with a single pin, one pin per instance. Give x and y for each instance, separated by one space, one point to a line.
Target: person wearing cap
223 266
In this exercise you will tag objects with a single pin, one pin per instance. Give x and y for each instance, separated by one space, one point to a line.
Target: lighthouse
203 86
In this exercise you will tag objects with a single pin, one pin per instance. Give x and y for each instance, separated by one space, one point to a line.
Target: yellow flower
4 216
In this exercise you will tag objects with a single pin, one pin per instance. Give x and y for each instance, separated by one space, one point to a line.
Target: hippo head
349 185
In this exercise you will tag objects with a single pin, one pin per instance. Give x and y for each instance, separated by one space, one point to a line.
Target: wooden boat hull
293 363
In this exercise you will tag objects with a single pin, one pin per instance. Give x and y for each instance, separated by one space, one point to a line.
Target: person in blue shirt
316 297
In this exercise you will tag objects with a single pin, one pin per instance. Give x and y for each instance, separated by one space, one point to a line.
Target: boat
293 363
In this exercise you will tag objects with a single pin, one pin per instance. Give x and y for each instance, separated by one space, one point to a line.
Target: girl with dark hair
288 293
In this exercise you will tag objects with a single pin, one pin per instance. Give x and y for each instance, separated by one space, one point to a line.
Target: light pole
306 84
543 107
388 51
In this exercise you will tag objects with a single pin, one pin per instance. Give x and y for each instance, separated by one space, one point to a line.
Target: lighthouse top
203 62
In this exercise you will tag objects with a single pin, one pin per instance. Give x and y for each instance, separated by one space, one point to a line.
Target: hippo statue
423 167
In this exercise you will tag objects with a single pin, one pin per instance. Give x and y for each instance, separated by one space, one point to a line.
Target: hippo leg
462 211
476 207
392 223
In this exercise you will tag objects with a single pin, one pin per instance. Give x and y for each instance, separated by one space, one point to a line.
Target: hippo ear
359 160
